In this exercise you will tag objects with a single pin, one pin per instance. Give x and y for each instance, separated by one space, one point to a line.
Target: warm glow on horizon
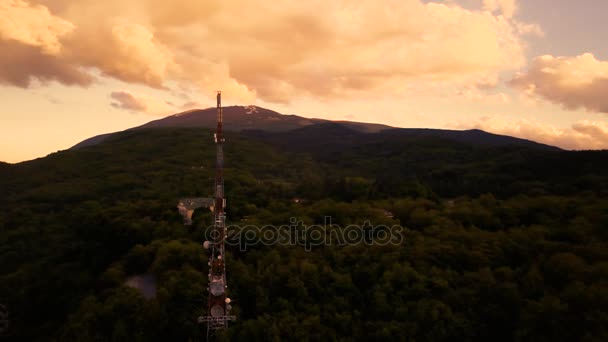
70 70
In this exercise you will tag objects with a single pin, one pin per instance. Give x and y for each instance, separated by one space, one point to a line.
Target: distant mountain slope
238 118
271 125
330 135
93 140
473 136
336 135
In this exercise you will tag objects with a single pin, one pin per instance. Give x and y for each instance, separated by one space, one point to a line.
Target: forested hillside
499 242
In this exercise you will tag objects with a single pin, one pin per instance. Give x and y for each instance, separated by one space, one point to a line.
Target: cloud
506 7
529 29
573 82
321 49
191 105
475 94
31 47
582 135
130 101
598 131
126 51
32 25
22 64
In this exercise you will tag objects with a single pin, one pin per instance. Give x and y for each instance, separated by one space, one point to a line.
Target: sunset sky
536 69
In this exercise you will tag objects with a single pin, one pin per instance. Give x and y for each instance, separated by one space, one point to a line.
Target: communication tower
218 310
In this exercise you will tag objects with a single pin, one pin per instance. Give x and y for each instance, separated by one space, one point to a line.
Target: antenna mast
218 303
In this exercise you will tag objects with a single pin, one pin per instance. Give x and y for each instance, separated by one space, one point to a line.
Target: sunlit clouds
506 7
31 48
130 53
32 25
128 100
573 82
582 135
321 49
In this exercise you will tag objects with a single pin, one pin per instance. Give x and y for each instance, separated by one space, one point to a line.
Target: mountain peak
255 118
233 110
251 117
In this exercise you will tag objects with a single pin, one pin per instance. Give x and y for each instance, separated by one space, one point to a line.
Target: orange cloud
130 101
325 49
506 7
32 25
582 135
573 82
192 105
22 64
126 51
31 41
475 94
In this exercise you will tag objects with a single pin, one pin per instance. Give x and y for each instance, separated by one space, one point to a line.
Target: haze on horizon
537 69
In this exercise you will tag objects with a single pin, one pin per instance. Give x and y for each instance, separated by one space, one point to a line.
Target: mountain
236 118
239 118
4 166
473 136
93 140
272 125
336 134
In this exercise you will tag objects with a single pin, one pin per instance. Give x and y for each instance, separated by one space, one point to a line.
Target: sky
535 69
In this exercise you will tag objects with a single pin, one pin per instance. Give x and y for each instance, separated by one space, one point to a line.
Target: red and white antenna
219 307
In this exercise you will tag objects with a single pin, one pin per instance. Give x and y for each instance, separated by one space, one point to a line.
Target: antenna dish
217 311
216 287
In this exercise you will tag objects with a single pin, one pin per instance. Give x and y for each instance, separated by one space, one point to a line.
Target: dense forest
499 242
